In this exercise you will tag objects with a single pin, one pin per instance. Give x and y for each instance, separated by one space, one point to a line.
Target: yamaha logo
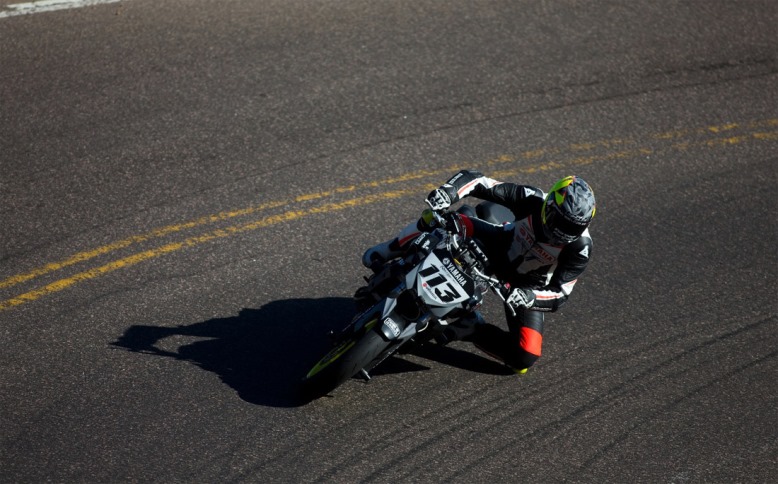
454 271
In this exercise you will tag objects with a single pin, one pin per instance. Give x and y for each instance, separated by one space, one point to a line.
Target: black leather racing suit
519 254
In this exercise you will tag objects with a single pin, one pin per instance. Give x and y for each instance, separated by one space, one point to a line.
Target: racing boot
498 344
375 257
378 255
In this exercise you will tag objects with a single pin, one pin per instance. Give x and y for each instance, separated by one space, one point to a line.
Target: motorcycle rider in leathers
539 256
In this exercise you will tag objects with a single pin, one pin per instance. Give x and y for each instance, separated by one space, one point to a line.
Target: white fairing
437 286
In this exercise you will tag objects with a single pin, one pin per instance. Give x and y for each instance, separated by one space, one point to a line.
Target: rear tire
341 363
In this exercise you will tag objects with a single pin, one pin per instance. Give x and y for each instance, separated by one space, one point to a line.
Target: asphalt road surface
187 188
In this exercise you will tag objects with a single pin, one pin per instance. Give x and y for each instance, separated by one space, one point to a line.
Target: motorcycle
439 281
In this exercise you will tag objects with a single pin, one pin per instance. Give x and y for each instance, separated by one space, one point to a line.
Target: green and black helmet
568 209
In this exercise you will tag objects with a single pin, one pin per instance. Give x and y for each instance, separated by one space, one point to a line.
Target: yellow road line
330 207
86 255
201 239
527 155
170 229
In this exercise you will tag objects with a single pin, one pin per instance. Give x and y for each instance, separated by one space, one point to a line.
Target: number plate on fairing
440 282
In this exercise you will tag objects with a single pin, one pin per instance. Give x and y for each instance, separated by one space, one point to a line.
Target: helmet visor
558 229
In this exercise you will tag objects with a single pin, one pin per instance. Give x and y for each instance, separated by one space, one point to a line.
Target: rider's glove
519 298
442 198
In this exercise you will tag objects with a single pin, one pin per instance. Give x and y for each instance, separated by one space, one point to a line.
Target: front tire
341 363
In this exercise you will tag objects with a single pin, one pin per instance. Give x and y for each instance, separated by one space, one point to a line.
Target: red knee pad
531 341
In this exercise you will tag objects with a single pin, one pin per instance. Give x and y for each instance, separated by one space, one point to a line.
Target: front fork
392 331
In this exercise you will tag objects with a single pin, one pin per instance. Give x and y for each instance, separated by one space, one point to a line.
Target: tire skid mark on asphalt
449 422
590 408
388 441
702 348
463 420
729 138
458 418
428 426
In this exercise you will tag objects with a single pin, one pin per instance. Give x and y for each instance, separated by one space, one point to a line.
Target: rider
539 257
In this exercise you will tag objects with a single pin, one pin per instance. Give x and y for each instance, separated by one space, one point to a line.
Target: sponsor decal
389 323
454 271
423 242
523 238
541 254
455 178
525 235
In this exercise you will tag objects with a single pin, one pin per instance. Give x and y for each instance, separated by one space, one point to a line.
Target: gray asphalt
187 188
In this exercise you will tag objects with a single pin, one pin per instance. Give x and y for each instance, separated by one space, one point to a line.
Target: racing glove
442 198
519 298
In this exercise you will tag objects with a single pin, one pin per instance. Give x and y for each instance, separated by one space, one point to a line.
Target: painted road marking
201 239
757 134
48 6
210 219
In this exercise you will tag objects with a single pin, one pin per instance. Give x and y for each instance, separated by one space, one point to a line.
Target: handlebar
475 249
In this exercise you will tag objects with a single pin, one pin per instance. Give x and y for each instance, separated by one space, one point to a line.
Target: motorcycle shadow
263 353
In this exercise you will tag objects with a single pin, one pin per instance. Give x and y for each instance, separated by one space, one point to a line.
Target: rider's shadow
261 353
264 353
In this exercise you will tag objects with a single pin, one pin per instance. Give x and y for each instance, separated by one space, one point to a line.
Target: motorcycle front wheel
342 362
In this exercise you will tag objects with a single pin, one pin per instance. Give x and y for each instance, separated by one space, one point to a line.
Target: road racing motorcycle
440 280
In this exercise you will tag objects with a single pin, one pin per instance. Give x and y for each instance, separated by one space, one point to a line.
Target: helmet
567 210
